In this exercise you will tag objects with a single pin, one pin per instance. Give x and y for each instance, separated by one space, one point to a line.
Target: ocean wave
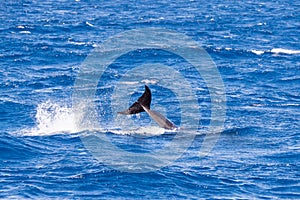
274 51
284 51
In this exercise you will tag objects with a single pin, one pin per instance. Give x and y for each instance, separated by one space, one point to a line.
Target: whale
143 105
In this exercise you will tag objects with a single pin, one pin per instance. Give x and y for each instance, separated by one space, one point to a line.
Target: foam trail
143 131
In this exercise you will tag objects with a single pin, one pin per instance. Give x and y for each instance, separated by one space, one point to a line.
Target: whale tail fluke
143 105
137 107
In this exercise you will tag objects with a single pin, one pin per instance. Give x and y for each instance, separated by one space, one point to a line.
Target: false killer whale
143 105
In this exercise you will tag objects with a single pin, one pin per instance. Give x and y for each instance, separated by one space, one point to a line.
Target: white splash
52 118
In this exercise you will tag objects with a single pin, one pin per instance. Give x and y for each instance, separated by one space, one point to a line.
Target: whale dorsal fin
136 107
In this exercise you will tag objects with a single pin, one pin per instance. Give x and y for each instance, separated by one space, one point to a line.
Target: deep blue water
255 46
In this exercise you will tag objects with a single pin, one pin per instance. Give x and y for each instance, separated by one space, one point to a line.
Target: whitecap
25 32
284 51
77 43
129 82
89 24
257 52
20 27
149 81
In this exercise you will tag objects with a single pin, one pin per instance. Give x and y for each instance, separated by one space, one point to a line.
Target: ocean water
47 152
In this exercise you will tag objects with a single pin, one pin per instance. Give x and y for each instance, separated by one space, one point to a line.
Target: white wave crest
284 51
257 52
276 51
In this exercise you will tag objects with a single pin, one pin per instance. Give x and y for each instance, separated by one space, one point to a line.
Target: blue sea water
255 46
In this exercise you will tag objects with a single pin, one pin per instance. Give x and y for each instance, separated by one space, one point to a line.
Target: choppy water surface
255 46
